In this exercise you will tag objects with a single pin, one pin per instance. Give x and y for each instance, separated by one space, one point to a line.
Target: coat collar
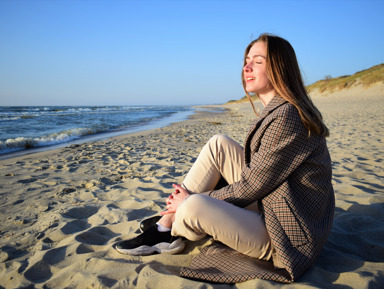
275 102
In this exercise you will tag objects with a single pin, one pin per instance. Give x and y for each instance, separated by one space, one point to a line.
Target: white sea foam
9 118
21 143
31 127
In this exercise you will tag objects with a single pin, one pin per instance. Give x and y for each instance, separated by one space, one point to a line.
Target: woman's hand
175 199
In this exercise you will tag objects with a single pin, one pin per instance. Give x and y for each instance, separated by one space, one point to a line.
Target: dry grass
243 99
365 77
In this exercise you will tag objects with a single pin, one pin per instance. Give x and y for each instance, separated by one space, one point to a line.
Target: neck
267 97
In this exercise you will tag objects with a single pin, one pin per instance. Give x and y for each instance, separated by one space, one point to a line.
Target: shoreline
64 209
174 118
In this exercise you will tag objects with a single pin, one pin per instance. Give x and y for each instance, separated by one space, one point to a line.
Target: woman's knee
219 139
192 206
220 143
187 218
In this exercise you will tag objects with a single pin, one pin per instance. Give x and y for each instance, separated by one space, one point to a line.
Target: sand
62 210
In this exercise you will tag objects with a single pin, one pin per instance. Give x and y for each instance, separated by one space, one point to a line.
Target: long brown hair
284 75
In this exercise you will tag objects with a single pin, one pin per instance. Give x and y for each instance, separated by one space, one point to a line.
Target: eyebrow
257 55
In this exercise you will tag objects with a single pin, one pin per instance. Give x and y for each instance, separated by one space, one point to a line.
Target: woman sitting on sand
278 201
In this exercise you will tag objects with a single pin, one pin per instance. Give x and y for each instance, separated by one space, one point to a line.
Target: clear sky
92 52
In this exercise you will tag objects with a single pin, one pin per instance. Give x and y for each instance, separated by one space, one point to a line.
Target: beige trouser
242 229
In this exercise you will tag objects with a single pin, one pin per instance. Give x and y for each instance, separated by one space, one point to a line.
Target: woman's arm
284 146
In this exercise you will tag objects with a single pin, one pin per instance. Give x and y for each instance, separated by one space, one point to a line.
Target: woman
278 204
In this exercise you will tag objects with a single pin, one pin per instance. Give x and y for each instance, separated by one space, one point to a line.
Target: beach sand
62 210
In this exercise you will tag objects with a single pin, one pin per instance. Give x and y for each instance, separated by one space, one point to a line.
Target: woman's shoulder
286 111
286 118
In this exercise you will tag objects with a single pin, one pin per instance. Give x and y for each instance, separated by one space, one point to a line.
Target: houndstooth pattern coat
289 172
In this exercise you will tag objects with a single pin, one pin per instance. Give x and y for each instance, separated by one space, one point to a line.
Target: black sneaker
147 223
151 241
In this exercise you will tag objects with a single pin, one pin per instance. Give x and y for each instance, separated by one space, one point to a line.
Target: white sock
161 228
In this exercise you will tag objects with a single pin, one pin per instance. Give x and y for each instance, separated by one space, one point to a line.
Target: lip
249 78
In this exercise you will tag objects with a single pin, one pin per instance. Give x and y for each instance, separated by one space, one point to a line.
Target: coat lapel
271 106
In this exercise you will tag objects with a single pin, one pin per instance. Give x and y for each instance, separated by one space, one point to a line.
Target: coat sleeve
284 146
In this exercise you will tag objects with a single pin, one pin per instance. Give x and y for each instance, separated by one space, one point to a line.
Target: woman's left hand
175 199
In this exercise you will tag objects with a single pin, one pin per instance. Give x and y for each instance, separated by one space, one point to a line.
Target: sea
23 128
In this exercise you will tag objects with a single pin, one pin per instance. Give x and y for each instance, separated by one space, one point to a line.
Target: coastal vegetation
365 78
243 99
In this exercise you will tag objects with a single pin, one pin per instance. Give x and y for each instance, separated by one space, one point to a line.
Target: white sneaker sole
162 248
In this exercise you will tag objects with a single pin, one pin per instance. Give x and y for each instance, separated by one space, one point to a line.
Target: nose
247 68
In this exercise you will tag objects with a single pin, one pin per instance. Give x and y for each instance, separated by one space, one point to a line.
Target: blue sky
92 52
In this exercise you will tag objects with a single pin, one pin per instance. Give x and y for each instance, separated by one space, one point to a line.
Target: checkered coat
289 172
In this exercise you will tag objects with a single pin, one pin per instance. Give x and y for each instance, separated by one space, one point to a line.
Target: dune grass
365 77
243 99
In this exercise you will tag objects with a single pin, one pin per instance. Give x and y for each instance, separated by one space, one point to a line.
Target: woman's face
254 71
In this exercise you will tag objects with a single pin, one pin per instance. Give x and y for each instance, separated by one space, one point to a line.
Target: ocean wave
21 143
52 111
26 116
22 128
8 118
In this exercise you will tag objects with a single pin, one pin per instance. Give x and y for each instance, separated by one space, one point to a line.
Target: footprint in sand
81 212
27 181
96 236
75 226
84 249
55 255
18 202
39 272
